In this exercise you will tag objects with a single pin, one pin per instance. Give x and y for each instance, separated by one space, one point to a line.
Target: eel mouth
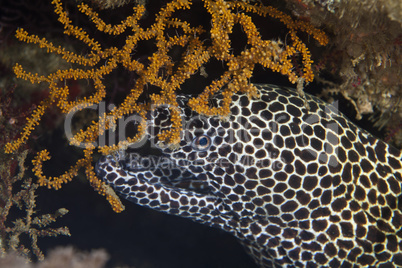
157 170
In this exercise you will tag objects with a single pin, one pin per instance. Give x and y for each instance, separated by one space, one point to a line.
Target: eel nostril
123 164
100 172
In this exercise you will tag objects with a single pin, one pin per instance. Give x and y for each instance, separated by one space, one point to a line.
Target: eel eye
201 143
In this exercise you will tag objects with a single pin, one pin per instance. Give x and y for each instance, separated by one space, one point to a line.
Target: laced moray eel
298 188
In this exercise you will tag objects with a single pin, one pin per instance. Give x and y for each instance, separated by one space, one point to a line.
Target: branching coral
32 224
99 62
20 223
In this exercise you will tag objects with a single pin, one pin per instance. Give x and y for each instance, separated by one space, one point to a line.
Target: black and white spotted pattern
298 188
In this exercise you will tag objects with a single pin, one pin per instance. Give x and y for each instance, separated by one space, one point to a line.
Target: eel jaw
122 171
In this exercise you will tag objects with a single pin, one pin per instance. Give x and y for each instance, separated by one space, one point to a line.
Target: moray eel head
297 187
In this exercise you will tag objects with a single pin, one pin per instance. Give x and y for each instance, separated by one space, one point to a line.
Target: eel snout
127 168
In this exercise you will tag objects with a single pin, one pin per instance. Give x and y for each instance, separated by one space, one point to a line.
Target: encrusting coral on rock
365 56
60 257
